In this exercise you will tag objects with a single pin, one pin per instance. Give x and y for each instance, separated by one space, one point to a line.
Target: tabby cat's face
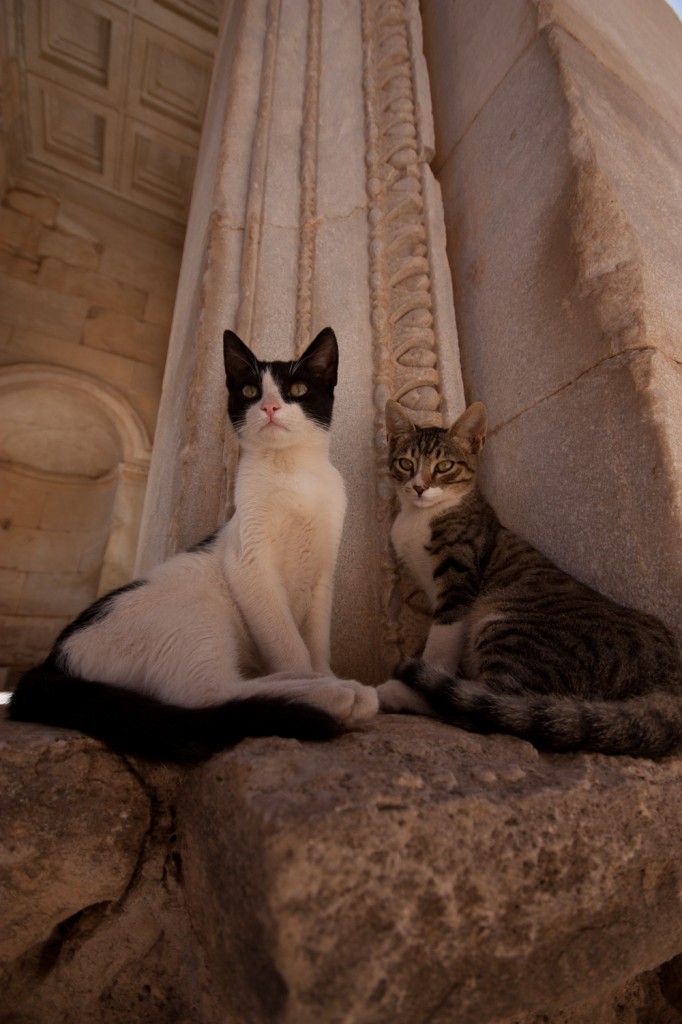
430 467
277 404
434 465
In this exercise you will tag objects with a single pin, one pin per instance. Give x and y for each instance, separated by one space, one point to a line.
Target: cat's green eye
250 391
298 389
405 464
445 466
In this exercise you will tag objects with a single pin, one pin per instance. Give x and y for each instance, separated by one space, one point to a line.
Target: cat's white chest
410 535
291 521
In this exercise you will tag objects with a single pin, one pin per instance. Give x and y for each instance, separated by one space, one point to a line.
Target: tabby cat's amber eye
250 391
445 466
405 464
297 389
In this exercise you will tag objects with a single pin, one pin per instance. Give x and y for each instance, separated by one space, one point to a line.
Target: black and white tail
133 723
648 725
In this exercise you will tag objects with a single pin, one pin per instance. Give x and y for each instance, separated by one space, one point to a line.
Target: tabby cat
170 666
516 645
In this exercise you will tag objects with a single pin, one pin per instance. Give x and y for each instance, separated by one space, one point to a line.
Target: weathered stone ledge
406 873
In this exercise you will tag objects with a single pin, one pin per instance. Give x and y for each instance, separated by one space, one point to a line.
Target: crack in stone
621 356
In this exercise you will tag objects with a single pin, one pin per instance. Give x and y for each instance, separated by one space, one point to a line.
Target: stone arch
74 458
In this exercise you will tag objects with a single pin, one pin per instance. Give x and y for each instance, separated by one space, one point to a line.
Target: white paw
349 701
395 697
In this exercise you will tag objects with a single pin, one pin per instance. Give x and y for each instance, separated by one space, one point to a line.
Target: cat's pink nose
419 489
270 408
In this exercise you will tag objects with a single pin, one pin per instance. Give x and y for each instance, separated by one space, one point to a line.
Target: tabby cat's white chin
428 499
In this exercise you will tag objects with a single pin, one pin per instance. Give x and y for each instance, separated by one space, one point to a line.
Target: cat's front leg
444 645
264 604
316 628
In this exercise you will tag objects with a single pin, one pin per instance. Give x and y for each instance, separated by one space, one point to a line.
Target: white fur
258 599
411 531
410 535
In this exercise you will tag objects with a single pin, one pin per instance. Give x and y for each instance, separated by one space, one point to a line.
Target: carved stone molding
404 341
402 318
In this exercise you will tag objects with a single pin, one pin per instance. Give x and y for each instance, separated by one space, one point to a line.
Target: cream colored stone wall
85 310
559 152
83 290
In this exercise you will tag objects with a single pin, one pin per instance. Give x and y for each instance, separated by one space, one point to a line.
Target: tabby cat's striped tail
132 723
649 725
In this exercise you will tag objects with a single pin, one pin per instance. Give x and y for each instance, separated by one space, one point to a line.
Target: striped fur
516 644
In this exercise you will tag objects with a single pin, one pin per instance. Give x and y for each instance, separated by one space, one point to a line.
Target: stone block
121 333
27 307
74 819
159 307
40 550
99 226
91 887
524 329
42 208
92 547
412 872
637 47
25 640
69 249
471 46
18 266
18 233
78 504
593 477
23 497
33 346
131 268
641 1000
627 206
53 595
147 379
11 584
91 285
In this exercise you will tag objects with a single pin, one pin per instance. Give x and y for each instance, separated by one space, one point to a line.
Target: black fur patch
95 612
132 723
206 544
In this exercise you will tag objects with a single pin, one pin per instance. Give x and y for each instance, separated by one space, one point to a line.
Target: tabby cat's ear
322 357
471 427
238 357
397 420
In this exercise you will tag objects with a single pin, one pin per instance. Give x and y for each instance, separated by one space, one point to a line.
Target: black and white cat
171 666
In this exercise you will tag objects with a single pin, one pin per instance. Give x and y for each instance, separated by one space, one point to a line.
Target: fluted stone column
314 204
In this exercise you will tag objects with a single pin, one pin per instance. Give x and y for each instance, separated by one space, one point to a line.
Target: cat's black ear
471 427
397 420
322 357
238 357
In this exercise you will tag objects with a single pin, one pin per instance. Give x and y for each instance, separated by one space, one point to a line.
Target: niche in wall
73 464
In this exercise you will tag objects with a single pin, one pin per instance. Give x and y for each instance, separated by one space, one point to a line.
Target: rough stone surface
413 872
404 874
74 818
92 922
